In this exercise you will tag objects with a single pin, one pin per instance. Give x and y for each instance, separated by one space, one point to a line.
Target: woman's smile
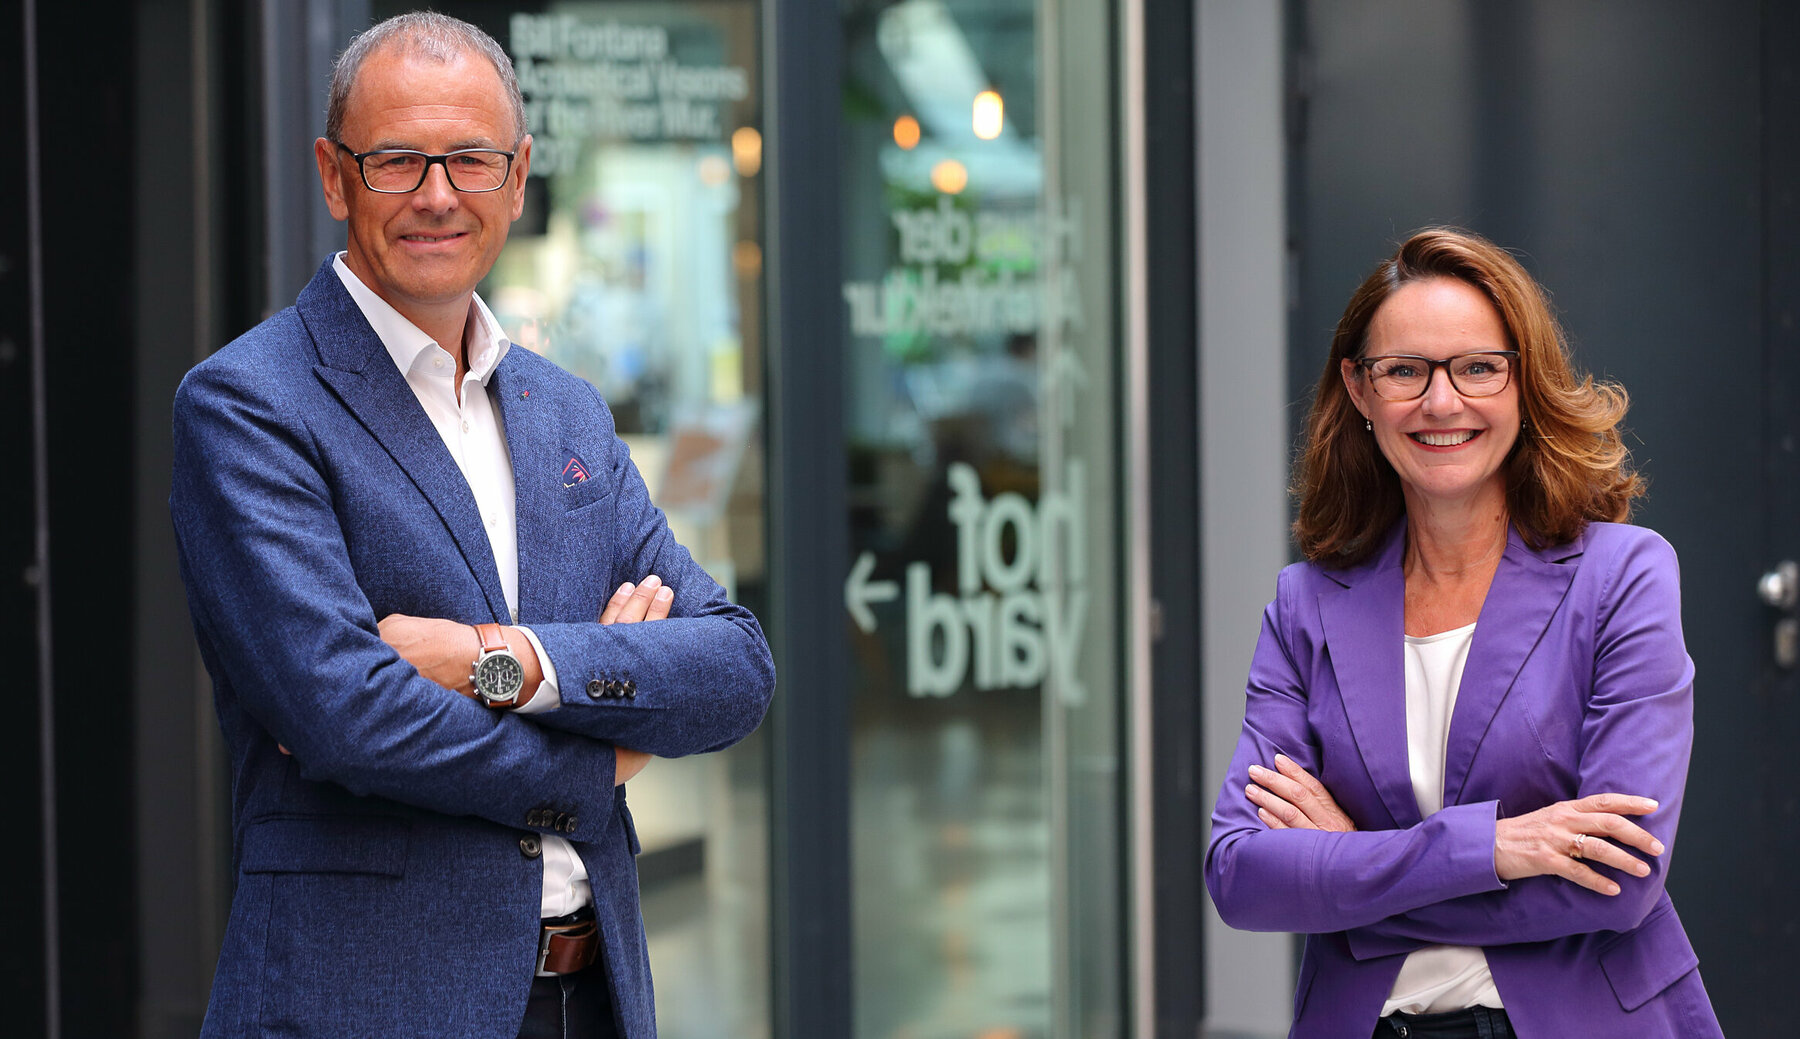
1445 438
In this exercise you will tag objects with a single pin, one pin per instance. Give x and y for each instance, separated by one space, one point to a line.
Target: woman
1470 711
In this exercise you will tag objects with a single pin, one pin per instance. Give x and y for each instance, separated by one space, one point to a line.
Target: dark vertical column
190 187
1767 902
808 520
87 159
28 955
1171 266
1781 249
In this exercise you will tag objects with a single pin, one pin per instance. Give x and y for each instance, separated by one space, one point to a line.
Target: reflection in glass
978 291
989 115
906 132
949 176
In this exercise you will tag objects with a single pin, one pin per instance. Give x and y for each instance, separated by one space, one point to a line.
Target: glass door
981 363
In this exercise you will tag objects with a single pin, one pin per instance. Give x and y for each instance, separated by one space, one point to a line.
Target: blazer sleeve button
530 847
630 689
595 688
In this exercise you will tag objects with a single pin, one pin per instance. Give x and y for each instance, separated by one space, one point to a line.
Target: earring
1524 425
1369 426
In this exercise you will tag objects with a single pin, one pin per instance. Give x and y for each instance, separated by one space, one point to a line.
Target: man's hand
649 600
627 764
1290 798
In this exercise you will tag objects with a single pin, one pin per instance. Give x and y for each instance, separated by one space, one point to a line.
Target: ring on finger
1575 850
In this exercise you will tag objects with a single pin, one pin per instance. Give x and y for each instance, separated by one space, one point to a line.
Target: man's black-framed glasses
1407 377
399 171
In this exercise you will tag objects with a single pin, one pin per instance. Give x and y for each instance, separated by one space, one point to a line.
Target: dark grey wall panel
1619 148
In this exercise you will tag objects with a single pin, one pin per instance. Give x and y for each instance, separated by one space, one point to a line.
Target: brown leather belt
567 944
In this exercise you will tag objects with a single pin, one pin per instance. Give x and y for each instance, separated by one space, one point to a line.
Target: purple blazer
1577 683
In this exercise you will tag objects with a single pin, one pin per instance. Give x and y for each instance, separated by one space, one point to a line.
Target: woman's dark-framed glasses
398 171
1406 377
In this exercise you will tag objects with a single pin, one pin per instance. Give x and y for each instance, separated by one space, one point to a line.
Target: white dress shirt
472 431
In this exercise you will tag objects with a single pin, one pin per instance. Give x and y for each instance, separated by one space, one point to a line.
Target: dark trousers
1473 1023
570 1006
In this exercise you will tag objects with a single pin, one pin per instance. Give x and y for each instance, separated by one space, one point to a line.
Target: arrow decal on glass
859 592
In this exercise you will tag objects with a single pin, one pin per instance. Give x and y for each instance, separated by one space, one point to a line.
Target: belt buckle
543 954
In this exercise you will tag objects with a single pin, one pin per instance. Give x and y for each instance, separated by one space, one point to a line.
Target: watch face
498 676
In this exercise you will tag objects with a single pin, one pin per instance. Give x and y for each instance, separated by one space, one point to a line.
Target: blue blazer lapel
1527 591
530 440
357 368
1363 621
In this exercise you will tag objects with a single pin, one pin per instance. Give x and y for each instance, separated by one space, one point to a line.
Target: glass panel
638 265
981 419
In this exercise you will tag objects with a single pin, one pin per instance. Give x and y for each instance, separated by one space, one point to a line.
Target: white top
472 431
1437 978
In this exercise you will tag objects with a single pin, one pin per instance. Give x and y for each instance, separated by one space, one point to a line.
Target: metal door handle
1780 587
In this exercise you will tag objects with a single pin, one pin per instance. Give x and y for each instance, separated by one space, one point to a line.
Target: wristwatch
497 676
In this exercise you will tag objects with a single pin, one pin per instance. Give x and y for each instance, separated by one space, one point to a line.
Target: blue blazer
1577 683
387 876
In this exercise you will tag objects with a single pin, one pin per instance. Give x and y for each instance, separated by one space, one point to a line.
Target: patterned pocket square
574 472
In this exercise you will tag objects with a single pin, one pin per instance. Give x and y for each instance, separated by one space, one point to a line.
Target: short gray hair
423 34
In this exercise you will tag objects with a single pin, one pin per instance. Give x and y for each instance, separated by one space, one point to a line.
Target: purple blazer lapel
1528 589
362 375
1363 620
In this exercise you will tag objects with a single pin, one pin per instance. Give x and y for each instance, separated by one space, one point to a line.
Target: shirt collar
405 342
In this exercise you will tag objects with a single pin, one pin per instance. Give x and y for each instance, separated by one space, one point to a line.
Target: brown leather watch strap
493 639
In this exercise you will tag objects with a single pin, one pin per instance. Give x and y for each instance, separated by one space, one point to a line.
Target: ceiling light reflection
713 170
906 132
950 177
746 151
989 114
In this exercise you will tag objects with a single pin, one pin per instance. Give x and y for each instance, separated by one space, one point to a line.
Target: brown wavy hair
1568 468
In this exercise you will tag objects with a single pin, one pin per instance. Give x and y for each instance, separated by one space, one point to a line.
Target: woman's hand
1555 839
1291 799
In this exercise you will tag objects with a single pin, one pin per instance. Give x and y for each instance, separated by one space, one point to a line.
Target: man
381 506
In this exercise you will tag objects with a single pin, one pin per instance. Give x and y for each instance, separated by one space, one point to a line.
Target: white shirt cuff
547 697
